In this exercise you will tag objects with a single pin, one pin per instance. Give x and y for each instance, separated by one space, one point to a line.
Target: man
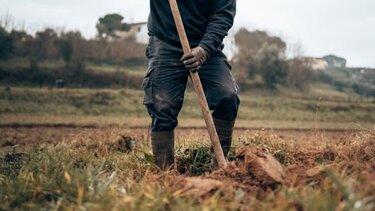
207 22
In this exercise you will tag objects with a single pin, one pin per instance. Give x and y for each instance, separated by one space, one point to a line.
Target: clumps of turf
11 164
194 160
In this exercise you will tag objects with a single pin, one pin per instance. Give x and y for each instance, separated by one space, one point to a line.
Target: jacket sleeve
220 21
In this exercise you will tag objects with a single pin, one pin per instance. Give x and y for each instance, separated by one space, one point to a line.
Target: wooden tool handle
198 87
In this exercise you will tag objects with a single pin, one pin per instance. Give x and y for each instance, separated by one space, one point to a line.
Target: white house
137 30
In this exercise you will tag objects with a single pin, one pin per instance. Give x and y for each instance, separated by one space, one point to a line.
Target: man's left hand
194 60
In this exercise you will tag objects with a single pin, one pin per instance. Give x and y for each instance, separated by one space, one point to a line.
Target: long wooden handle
198 87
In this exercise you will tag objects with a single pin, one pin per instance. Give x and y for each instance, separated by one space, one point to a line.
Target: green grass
284 105
139 70
20 63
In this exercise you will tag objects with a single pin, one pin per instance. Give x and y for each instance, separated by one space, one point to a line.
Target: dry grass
268 106
184 123
89 170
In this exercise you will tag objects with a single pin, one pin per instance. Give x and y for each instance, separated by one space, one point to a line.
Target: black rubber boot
163 149
224 130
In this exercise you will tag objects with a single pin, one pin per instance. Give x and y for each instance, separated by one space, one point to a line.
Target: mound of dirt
255 167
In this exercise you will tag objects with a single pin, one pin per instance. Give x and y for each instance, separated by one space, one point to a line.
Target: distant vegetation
49 46
261 61
261 55
284 105
359 80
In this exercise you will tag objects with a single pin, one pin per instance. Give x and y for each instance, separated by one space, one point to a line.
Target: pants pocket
229 65
148 93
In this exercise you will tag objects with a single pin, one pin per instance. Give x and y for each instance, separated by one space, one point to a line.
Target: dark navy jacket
206 22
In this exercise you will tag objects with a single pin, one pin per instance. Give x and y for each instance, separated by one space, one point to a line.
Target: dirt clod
199 186
261 164
254 169
125 143
317 170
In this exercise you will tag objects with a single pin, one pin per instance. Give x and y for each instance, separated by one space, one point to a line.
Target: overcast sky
342 27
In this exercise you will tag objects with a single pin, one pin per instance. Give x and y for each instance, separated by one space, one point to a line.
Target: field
63 149
320 105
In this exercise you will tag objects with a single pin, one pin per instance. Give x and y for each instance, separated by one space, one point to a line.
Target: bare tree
7 21
299 69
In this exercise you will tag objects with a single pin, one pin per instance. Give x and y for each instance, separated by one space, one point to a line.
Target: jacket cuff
206 48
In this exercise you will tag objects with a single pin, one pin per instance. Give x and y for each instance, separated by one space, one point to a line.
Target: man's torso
195 15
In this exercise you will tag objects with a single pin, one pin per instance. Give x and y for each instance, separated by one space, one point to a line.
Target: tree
261 54
6 44
253 41
271 65
70 46
299 73
110 23
42 47
46 43
19 40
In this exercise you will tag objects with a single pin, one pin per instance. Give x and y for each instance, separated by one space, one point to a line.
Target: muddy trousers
164 87
164 94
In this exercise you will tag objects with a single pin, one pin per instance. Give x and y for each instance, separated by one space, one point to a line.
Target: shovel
198 87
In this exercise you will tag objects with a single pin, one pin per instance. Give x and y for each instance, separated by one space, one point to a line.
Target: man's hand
194 60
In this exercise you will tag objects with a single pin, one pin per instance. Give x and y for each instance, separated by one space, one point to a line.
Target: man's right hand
194 60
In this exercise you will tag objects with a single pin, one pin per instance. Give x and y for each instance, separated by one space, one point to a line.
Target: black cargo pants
165 82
